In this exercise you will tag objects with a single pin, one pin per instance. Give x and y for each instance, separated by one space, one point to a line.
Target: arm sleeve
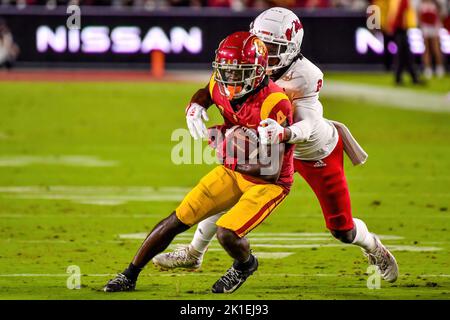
308 112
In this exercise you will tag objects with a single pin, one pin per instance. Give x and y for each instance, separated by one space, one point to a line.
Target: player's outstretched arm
305 116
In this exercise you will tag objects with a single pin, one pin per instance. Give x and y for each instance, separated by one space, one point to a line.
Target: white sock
440 71
428 73
205 233
363 237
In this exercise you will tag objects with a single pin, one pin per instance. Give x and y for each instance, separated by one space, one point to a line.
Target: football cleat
120 283
182 257
384 260
233 279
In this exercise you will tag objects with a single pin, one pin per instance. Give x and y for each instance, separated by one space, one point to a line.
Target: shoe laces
231 276
121 278
180 253
379 257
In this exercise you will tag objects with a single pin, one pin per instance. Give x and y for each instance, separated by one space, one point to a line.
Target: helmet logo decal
289 34
260 47
296 26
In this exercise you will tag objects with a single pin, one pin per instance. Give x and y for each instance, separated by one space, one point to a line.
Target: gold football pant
222 189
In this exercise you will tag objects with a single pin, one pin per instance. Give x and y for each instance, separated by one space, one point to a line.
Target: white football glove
270 132
195 114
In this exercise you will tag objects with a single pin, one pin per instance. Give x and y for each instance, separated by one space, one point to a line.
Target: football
241 143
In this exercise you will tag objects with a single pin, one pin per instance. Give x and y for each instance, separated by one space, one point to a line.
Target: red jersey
429 13
268 102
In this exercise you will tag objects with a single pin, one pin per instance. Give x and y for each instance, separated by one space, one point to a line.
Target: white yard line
266 236
102 202
65 160
79 215
93 189
116 195
388 97
101 195
290 234
295 241
104 199
412 248
273 255
216 247
331 245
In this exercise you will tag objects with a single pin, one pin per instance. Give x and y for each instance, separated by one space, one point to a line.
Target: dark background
329 35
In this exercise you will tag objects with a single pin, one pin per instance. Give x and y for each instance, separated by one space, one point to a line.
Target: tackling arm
307 111
306 114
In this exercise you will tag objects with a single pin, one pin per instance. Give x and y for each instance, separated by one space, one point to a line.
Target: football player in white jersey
320 146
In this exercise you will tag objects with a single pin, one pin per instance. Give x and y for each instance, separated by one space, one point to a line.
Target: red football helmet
240 64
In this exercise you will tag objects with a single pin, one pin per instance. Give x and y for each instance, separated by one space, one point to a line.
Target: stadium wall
124 38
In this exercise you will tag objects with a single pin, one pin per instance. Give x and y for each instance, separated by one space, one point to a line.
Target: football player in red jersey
248 192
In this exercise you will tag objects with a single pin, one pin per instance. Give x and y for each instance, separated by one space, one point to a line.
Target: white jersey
302 83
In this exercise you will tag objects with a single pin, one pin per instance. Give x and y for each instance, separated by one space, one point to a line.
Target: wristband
282 135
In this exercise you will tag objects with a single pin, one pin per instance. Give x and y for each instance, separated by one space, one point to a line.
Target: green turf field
384 79
84 167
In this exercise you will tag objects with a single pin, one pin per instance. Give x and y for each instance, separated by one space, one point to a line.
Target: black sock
242 266
132 272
